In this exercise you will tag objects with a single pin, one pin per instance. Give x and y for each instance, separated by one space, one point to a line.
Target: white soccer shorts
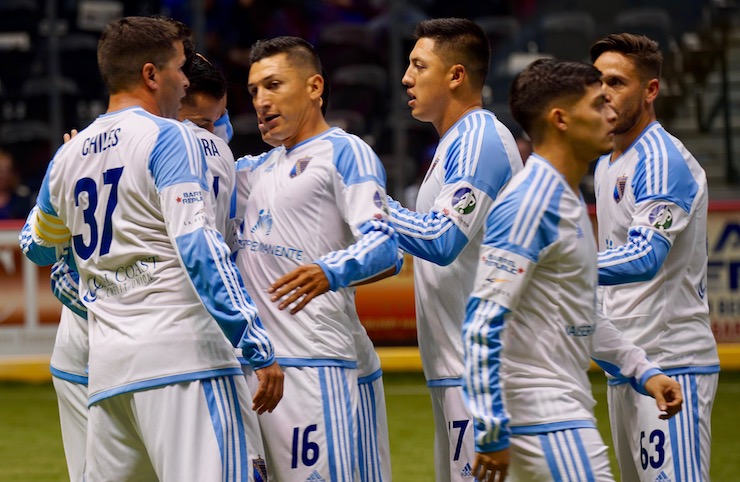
454 437
312 434
652 450
373 445
186 431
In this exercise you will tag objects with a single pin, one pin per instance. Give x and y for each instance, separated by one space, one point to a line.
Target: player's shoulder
252 162
655 144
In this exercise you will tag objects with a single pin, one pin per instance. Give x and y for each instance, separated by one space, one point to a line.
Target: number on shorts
309 450
657 439
461 425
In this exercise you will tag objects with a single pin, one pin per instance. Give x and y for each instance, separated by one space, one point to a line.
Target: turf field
31 449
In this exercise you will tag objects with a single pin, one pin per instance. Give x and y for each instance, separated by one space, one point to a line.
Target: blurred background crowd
49 81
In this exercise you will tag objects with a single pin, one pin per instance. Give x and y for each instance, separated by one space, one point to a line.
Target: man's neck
454 112
622 142
123 100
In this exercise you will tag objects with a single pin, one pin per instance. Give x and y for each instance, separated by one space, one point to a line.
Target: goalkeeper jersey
154 273
322 201
650 201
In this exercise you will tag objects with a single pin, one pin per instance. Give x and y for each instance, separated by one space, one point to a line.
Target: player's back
112 185
659 186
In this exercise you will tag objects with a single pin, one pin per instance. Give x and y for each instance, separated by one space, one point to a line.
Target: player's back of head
541 84
641 50
128 43
206 79
459 41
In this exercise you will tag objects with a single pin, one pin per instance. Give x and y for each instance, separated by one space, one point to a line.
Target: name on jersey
100 142
582 330
272 249
209 146
122 279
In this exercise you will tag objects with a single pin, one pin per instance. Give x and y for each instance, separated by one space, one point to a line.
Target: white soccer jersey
531 328
649 201
154 273
473 161
321 201
221 175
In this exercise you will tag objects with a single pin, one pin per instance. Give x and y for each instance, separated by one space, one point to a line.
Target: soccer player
531 324
315 224
129 193
651 206
372 416
475 158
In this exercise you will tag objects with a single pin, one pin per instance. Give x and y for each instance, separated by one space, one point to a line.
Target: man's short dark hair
641 50
298 50
128 43
204 79
544 81
459 41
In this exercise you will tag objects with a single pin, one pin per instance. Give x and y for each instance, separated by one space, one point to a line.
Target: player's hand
491 466
303 283
269 389
70 135
667 394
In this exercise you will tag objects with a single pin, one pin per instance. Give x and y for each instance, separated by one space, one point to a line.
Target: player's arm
506 264
623 359
359 186
178 168
664 190
477 166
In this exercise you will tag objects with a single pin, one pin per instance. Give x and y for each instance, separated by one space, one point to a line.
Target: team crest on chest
619 188
300 166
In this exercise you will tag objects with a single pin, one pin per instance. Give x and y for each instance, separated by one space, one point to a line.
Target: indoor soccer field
31 448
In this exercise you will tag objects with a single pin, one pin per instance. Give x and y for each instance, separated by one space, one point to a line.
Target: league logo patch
260 469
661 217
300 166
463 202
619 188
264 222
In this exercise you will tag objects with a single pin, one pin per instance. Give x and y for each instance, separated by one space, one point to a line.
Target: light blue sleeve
662 179
40 255
178 160
477 159
362 200
434 237
65 283
221 289
638 260
481 332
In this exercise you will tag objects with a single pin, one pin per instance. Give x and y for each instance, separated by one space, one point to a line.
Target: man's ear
651 90
457 75
558 118
149 75
315 85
